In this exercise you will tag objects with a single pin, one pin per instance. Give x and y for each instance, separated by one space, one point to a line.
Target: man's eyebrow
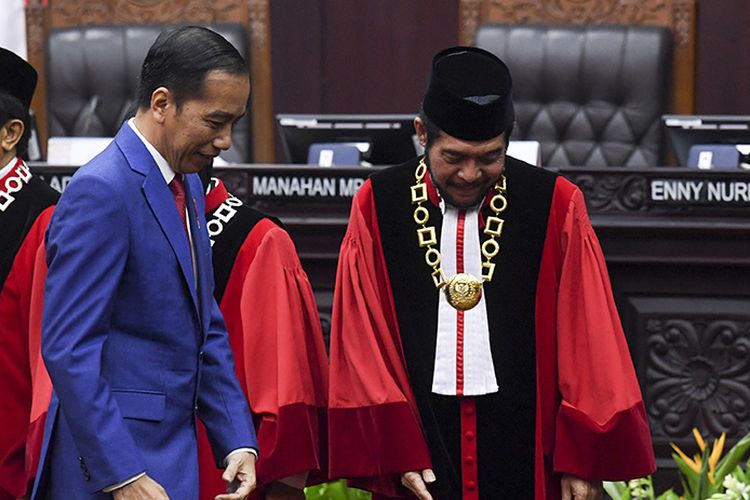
453 152
220 115
493 152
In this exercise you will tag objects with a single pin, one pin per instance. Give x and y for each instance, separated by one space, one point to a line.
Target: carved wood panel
253 14
678 15
698 374
693 359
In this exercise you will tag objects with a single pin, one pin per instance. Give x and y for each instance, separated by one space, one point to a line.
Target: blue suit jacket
134 346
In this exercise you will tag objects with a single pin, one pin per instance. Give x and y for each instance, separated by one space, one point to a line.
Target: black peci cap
17 77
469 94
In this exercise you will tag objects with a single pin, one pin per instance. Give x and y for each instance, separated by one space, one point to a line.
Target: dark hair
179 60
433 131
12 109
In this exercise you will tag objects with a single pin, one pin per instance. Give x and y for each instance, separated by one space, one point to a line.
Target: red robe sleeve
41 385
601 430
374 427
15 369
277 341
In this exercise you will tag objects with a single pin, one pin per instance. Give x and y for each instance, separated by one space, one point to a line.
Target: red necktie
178 191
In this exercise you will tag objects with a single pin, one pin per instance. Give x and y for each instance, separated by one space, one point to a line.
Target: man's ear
10 134
162 102
421 131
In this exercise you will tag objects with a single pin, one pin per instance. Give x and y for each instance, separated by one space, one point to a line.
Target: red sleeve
601 426
41 390
15 363
277 341
374 428
285 364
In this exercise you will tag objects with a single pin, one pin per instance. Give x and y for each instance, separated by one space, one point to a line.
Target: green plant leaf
668 495
688 476
732 458
336 490
702 487
618 490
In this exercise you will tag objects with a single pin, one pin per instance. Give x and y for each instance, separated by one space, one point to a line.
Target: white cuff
110 489
240 450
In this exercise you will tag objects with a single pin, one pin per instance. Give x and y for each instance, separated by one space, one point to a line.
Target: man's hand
143 488
579 489
239 476
417 482
281 491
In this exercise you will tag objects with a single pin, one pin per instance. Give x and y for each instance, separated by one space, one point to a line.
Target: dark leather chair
92 78
592 95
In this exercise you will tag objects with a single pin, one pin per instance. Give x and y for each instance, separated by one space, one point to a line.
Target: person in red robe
476 351
26 204
277 342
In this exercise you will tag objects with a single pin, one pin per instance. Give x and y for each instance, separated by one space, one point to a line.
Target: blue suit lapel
200 241
160 199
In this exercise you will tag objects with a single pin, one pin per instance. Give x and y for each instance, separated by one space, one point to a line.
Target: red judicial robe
26 204
568 402
277 341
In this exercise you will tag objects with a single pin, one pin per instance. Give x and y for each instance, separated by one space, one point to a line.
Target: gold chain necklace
463 291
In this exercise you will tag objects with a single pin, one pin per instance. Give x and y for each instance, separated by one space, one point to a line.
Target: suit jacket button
201 355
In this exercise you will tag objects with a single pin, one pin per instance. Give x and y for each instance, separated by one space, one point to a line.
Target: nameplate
58 177
662 190
304 186
717 193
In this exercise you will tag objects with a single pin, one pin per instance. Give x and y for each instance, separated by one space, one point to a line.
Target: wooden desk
677 243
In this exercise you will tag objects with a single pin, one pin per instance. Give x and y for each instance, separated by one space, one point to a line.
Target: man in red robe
26 204
277 342
476 351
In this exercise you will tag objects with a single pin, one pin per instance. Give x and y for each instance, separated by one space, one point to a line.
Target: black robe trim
16 221
228 243
506 419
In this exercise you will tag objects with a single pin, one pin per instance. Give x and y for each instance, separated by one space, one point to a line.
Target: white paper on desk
77 151
528 151
74 150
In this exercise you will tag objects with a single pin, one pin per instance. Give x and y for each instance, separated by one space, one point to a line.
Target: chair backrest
592 95
43 16
678 16
92 79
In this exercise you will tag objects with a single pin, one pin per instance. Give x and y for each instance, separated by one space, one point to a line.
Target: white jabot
478 368
6 168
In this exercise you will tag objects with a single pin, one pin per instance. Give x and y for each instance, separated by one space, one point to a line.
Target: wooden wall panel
723 74
377 54
373 57
253 14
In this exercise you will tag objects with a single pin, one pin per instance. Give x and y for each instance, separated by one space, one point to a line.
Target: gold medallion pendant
463 291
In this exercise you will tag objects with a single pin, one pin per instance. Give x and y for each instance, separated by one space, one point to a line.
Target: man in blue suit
132 338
